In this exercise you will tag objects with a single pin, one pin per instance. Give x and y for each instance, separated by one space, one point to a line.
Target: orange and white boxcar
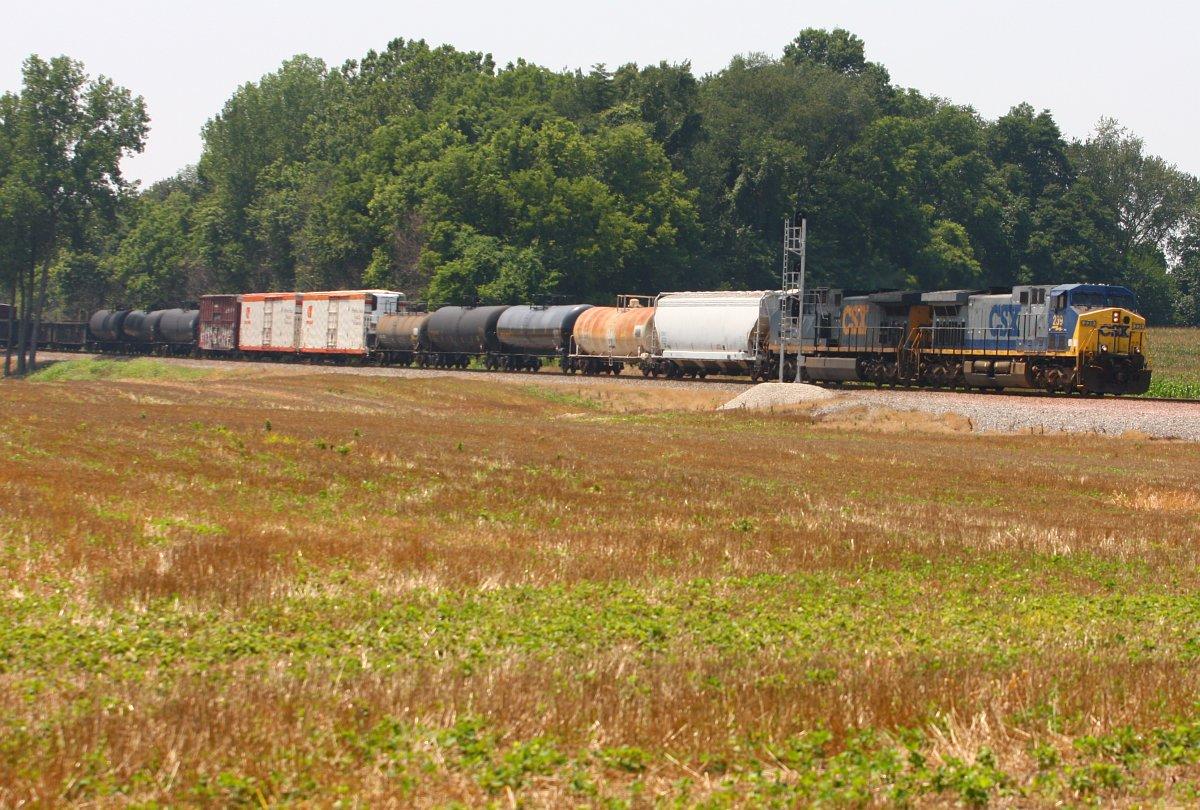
270 322
344 321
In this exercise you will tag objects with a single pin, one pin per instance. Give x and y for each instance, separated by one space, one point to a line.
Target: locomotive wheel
878 375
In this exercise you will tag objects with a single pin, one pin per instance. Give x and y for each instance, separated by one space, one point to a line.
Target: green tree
1151 205
1030 151
81 283
1187 288
666 98
431 170
599 214
151 264
838 50
64 139
773 135
948 260
262 131
1150 200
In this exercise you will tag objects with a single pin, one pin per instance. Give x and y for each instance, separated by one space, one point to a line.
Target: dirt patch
622 398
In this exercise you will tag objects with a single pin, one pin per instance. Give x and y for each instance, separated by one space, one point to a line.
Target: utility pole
795 241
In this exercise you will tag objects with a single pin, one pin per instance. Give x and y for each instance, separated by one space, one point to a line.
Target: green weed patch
141 368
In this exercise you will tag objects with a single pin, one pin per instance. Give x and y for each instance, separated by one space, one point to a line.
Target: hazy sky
1136 62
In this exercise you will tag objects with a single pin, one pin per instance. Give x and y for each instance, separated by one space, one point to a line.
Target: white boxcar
714 327
270 322
344 321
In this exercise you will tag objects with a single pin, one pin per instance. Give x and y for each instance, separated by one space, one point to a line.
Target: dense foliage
62 139
432 171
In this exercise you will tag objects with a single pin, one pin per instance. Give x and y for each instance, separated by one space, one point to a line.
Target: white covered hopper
714 326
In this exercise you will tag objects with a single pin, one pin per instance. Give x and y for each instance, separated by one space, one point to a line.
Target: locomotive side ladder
791 296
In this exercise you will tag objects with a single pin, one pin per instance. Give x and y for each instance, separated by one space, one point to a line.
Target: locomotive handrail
864 339
971 340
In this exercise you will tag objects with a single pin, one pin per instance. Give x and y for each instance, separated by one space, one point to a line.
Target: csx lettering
854 320
1119 330
1002 319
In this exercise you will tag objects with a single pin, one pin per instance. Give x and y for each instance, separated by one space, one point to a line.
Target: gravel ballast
765 396
1016 413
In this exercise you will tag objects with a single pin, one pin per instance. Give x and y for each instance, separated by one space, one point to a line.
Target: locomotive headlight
1116 317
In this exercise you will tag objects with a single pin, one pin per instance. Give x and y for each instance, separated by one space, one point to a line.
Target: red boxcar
220 316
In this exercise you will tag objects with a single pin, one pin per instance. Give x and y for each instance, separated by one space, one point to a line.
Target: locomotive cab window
1123 302
1024 297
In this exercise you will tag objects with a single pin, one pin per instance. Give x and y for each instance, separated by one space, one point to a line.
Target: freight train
1069 338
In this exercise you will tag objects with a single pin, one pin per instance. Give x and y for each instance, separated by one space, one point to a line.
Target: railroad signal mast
791 298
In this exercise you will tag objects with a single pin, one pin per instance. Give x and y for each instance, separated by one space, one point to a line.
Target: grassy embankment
309 587
137 368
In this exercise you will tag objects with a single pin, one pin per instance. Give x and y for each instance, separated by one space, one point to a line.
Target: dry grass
301 587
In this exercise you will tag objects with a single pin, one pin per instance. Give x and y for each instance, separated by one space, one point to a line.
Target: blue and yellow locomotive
1072 338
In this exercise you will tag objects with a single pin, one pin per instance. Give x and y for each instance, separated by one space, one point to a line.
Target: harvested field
1007 413
307 586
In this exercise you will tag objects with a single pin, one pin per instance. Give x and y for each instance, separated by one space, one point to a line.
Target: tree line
435 172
